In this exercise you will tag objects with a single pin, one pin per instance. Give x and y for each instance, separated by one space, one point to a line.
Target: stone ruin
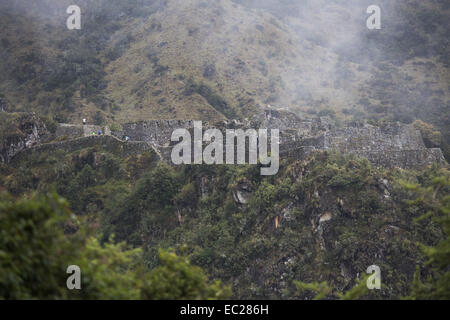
392 145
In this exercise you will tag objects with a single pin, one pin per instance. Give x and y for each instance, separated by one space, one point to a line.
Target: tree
435 200
33 249
322 290
431 137
35 254
187 197
176 279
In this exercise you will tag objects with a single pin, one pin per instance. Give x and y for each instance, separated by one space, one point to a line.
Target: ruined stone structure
393 145
76 131
104 142
155 132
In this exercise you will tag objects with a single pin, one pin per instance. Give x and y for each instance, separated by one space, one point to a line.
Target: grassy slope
258 58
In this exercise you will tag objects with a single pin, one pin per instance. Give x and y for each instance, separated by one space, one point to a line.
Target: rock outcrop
242 192
20 131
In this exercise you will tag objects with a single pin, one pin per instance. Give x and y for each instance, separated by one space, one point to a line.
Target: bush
116 127
35 254
50 124
431 137
176 279
98 118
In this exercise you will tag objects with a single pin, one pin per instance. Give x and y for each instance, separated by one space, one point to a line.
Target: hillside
325 218
209 60
363 176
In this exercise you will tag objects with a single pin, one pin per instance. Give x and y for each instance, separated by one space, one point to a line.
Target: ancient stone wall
412 159
73 131
155 132
392 145
394 137
107 143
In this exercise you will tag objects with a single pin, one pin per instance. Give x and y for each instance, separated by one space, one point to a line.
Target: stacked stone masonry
392 145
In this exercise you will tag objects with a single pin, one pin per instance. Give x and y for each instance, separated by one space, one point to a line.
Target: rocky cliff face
21 131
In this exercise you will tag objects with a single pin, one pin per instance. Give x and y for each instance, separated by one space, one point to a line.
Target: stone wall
392 145
394 137
155 132
107 143
412 159
73 131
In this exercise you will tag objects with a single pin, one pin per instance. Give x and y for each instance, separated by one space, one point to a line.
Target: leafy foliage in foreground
177 279
35 252
436 284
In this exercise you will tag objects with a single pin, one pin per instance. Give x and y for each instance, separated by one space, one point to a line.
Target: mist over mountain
363 115
214 59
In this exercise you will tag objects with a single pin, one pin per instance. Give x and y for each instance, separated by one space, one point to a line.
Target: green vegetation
143 229
76 65
8 127
132 64
323 290
263 248
216 101
35 253
436 283
177 279
432 282
432 137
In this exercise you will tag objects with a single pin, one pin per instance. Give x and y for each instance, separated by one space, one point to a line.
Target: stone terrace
392 145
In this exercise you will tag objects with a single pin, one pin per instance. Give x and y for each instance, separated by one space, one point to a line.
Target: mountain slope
209 60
